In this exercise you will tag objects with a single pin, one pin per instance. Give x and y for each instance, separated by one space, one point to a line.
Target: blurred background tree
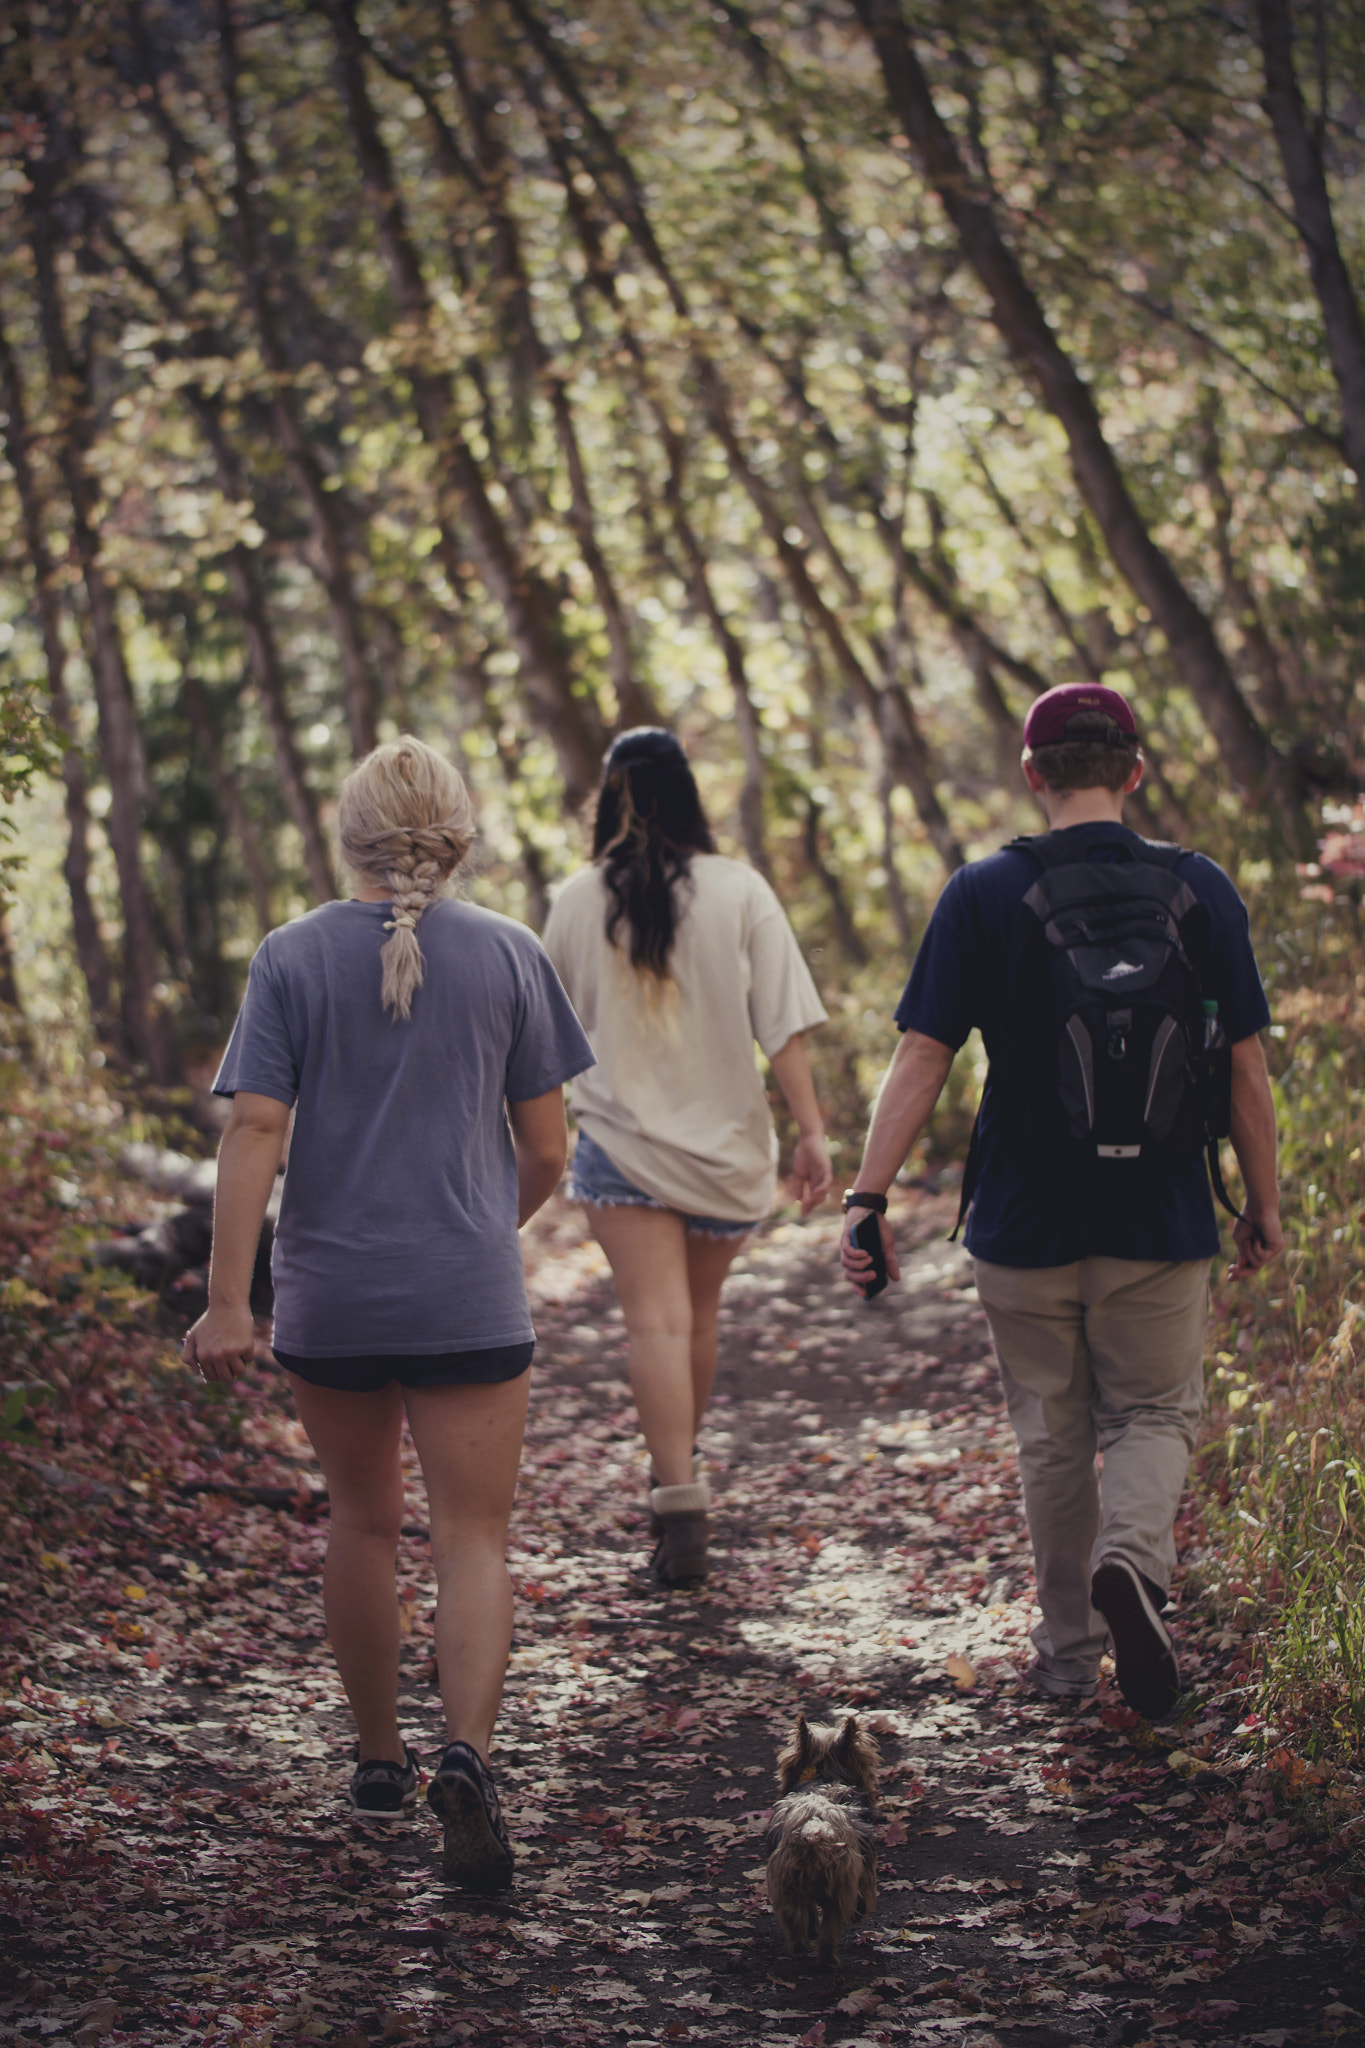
823 380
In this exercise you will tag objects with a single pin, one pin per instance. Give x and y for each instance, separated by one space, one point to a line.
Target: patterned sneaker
1144 1660
464 1799
384 1791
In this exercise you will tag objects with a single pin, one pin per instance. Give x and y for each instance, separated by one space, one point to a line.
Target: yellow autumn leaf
961 1672
135 1592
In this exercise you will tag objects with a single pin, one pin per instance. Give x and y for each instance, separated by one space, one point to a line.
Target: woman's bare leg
469 1442
356 1437
647 1252
709 1259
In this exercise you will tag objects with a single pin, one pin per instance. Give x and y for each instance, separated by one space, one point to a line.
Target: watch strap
854 1198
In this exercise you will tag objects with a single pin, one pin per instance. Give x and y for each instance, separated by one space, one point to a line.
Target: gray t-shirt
398 1221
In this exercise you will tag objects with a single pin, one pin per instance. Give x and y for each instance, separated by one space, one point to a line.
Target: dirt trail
179 1869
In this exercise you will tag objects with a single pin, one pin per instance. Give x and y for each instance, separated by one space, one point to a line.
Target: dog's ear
792 1761
857 1755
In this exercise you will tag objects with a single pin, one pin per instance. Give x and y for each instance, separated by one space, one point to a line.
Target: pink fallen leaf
814 2037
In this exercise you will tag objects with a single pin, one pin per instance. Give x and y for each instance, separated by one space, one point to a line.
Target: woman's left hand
812 1174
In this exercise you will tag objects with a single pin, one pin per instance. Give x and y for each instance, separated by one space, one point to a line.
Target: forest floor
180 1867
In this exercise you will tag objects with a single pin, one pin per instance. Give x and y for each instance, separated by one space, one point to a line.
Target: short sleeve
940 998
549 1045
782 996
1234 978
261 1058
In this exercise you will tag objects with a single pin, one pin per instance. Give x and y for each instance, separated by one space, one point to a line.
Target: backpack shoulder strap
1048 849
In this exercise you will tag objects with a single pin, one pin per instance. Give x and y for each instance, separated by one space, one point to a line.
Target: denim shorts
599 1184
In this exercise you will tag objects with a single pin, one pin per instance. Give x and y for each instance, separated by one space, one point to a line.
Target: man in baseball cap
1108 977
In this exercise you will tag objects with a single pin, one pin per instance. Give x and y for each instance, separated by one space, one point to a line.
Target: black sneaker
464 1799
1144 1661
384 1791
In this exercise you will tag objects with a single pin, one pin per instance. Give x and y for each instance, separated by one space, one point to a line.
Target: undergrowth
1282 1471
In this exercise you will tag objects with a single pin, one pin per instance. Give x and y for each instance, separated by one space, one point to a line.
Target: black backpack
1134 1054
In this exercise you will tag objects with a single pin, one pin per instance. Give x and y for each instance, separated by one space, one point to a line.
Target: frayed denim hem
696 1226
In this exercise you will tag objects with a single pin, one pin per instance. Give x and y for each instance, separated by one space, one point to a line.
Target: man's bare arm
914 1081
1258 1236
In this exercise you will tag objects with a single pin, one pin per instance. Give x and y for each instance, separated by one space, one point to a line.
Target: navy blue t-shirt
1024 1217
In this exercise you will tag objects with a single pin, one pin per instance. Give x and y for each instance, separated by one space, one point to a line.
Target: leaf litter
180 1868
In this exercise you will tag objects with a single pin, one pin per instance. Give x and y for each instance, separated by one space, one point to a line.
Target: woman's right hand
221 1342
812 1173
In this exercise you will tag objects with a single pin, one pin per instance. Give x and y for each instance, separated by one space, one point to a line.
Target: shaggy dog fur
822 1875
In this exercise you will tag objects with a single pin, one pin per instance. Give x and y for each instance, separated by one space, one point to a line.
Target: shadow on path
179 1868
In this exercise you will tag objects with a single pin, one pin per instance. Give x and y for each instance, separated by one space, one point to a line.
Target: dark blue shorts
376 1369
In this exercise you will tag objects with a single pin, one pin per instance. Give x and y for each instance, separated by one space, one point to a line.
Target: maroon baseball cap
1050 716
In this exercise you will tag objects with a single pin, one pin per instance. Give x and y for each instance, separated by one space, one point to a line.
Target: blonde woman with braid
423 1045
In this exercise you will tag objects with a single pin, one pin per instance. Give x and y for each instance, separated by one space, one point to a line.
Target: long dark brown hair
649 823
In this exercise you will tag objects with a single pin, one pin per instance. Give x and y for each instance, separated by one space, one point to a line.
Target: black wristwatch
854 1199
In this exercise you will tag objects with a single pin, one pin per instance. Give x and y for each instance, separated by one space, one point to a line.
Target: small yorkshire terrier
822 1876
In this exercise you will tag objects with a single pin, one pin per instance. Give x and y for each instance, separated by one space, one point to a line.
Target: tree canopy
823 380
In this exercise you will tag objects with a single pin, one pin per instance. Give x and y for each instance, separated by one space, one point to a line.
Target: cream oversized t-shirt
676 1100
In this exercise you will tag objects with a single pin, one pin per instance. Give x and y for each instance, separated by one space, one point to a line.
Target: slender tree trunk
362 697
146 1024
1006 732
851 942
10 998
248 595
1240 597
85 929
895 720
1301 158
731 652
1024 327
571 723
635 706
895 891
235 814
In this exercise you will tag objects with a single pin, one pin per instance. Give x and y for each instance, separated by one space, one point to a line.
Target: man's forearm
914 1081
1254 1138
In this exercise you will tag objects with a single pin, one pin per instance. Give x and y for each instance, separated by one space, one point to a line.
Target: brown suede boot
656 1527
680 1553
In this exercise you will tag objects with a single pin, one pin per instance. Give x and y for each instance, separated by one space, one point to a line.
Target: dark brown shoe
683 1519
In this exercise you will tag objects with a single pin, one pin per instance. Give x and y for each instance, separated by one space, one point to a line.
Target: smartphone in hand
867 1236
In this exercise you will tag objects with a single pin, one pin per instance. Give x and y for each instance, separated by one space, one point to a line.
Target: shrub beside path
179 1868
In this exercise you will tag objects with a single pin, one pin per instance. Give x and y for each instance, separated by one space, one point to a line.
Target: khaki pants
1104 1355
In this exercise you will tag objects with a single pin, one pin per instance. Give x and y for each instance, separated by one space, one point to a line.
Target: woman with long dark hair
676 960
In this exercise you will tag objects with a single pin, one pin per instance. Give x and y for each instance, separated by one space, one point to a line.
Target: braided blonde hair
406 822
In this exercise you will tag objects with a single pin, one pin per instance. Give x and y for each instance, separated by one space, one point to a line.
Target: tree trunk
85 927
235 815
634 704
1301 158
10 998
897 724
732 654
146 1024
362 697
851 942
1039 355
1238 593
572 724
244 581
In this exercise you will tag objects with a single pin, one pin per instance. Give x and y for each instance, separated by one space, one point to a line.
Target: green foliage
30 747
1284 1470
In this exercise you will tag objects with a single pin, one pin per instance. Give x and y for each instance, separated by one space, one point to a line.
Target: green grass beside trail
1281 1478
